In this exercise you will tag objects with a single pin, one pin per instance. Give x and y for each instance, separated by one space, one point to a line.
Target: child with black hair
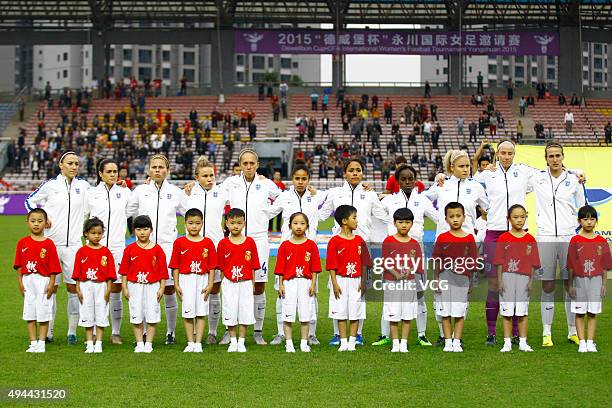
144 274
588 262
238 260
94 270
347 260
37 264
193 264
401 287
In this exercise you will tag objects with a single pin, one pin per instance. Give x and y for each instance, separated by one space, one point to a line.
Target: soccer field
267 376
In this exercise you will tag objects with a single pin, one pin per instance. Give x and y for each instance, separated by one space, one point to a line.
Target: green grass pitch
266 376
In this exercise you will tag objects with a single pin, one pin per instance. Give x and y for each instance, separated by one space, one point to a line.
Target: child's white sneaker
525 347
591 347
189 348
507 348
32 347
289 347
457 348
343 347
304 348
197 348
40 347
139 348
241 348
395 348
582 348
232 348
98 347
148 348
89 349
403 347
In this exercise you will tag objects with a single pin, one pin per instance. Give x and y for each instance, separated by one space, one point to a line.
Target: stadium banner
594 161
12 204
396 42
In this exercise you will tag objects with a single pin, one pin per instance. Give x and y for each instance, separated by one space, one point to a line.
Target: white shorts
514 300
66 255
297 298
167 248
143 303
263 253
237 303
118 256
351 304
452 301
552 249
401 304
94 309
36 306
192 286
588 295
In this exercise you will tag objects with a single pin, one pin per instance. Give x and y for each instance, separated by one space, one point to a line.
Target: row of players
195 260
69 198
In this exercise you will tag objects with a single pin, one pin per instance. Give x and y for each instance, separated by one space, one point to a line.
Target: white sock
312 326
33 342
190 343
89 343
116 312
571 317
73 313
260 311
421 319
303 342
53 311
279 316
98 342
343 341
396 343
456 342
582 343
548 308
336 330
403 342
140 344
590 342
233 340
522 341
351 341
448 342
241 341
360 327
149 344
214 307
546 329
439 321
384 327
289 342
507 340
41 343
171 312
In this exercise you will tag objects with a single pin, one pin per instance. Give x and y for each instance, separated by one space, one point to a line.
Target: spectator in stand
212 151
480 85
574 101
325 125
345 124
539 130
608 133
412 139
530 100
426 130
283 105
183 85
340 97
364 99
519 131
541 90
435 136
493 125
522 106
562 100
388 107
408 114
324 101
275 111
434 111
252 130
261 91
398 142
283 89
314 100
460 124
312 128
269 90
427 90
569 121
550 135
510 90
375 138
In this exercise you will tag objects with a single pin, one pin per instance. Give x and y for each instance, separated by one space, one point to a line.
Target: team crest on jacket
43 253
247 255
515 173
257 186
567 183
104 261
468 190
362 196
307 256
528 249
416 203
169 196
118 195
77 190
205 253
215 194
309 199
154 261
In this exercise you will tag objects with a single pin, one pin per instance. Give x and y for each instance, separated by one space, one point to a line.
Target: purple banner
396 42
13 204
